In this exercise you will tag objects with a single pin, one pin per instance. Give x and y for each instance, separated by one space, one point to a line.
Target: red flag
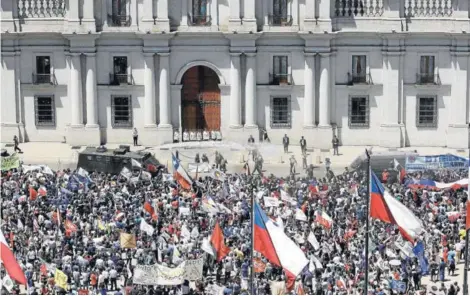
33 194
42 191
70 226
217 241
349 234
290 281
402 175
43 269
148 207
9 262
467 220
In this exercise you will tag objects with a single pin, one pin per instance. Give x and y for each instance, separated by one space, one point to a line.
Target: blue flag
418 250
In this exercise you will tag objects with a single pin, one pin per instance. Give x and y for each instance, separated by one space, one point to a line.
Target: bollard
280 160
318 159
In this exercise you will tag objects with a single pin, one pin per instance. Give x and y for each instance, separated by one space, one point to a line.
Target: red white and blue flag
385 207
276 246
180 174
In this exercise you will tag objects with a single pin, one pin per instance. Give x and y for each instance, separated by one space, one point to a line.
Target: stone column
309 97
250 91
235 99
88 21
9 126
163 22
184 13
249 18
75 91
91 94
458 130
149 92
390 131
164 98
234 20
324 104
309 10
214 13
147 15
133 12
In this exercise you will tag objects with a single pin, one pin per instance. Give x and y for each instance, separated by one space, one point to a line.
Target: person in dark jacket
335 143
16 143
285 143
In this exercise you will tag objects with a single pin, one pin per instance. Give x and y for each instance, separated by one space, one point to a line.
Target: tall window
119 7
44 109
359 111
280 69
121 111
359 67
120 70
119 15
199 7
280 8
426 69
43 69
426 112
280 112
279 16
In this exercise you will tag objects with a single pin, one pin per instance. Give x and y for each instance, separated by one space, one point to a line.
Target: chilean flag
180 175
385 207
430 184
9 262
276 246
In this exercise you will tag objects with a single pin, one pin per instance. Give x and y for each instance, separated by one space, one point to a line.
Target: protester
72 222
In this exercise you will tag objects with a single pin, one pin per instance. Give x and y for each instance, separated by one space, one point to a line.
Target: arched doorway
200 100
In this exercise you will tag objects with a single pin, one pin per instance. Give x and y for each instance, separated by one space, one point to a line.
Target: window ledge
31 86
280 87
359 86
427 86
120 87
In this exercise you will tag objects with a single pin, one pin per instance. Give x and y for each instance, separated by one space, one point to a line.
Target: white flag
286 197
260 194
185 234
300 215
7 283
147 228
195 233
135 163
47 170
271 201
146 175
313 241
82 172
124 190
167 177
20 224
317 262
126 173
207 247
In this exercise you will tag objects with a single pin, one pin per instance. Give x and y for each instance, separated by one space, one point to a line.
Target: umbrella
395 262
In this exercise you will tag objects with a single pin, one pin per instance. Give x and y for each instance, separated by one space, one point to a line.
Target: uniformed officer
197 159
303 145
285 143
218 160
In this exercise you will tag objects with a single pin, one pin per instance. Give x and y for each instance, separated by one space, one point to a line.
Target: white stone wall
158 31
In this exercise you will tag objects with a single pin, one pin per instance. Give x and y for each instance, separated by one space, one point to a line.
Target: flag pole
252 273
366 281
465 268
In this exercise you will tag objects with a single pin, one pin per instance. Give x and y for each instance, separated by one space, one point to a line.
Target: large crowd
53 224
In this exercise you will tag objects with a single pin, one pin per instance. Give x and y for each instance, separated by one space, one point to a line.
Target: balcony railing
280 79
359 78
42 78
118 79
119 20
427 78
199 20
359 8
280 20
434 8
41 9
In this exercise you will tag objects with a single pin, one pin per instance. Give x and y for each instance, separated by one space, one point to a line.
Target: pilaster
235 99
162 22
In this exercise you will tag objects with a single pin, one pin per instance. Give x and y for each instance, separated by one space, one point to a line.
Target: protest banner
157 274
10 162
193 269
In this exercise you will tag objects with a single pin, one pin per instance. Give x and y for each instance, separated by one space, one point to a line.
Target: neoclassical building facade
390 73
